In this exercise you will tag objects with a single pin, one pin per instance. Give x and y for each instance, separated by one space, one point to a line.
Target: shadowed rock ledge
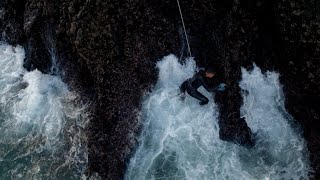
107 50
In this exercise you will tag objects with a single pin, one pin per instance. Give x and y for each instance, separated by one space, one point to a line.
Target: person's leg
196 94
183 87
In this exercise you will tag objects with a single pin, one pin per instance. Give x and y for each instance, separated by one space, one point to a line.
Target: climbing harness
184 28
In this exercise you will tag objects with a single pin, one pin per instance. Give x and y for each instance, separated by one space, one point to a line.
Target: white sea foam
180 139
41 126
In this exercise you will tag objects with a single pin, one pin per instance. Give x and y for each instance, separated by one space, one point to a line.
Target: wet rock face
12 20
108 50
119 42
300 66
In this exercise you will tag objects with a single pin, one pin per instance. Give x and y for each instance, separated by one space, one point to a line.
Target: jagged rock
115 45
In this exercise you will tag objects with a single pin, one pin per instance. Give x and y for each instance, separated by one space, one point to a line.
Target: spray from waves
283 149
41 123
180 139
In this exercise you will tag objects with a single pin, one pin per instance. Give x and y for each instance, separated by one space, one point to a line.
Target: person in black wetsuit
201 78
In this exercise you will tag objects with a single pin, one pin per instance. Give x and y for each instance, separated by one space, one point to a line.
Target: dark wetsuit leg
183 87
196 94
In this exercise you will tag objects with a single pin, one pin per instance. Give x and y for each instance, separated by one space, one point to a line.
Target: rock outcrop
107 50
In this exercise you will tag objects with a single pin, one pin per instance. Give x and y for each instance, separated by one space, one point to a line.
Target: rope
184 28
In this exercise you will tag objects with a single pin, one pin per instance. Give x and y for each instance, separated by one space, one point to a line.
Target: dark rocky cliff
107 50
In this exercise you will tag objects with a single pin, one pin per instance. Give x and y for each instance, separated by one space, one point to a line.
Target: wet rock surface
108 49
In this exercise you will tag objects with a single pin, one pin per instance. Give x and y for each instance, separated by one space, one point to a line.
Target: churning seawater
41 123
180 139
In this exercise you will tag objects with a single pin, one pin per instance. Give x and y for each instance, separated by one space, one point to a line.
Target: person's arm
219 87
205 85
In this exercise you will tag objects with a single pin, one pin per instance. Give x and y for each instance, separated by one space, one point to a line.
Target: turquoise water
41 123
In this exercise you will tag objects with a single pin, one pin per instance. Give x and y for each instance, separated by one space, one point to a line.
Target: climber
201 78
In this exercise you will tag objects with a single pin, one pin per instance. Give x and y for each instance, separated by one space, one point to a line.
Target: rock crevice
108 50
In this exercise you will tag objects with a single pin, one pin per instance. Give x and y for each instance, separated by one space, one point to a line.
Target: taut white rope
184 28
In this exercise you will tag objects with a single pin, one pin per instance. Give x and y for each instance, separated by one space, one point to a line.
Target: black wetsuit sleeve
206 86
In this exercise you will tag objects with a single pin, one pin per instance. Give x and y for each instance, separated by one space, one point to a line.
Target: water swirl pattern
41 123
180 139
